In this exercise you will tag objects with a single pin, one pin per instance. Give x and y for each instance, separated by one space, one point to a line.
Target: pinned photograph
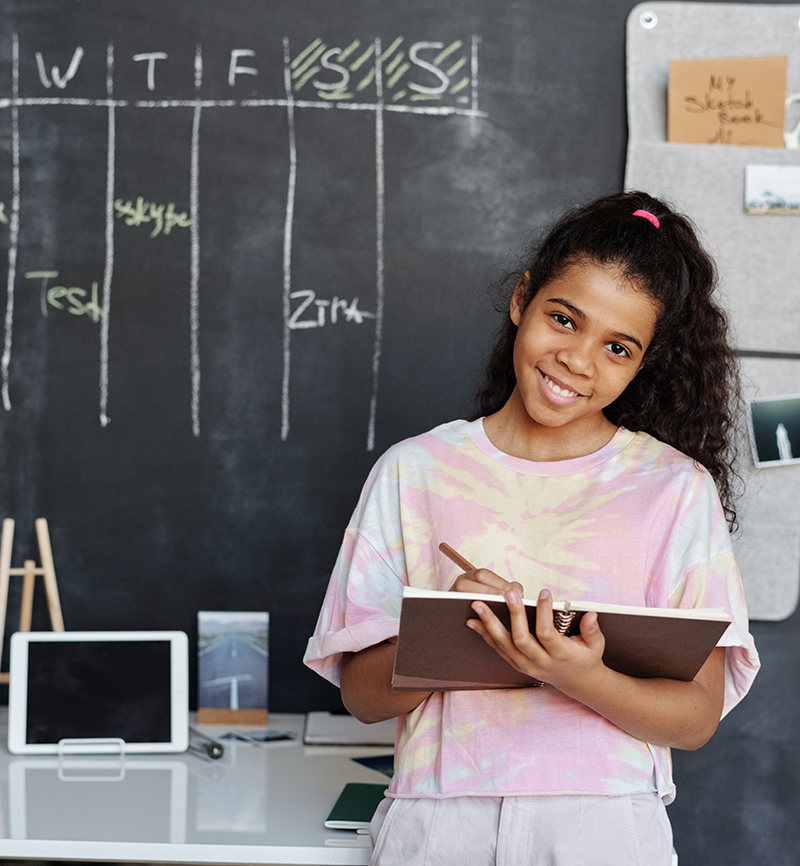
772 190
232 667
775 430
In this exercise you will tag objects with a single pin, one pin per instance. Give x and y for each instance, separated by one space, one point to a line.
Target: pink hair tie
648 216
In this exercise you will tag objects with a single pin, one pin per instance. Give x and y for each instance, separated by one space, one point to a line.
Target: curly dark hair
687 393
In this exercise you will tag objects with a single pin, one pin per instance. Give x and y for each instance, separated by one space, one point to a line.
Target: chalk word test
425 78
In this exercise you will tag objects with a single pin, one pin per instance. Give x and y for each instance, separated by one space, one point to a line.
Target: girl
592 472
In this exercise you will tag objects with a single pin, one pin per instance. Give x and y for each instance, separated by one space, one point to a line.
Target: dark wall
737 797
167 494
190 450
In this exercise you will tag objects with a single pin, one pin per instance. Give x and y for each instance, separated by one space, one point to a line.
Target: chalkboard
247 246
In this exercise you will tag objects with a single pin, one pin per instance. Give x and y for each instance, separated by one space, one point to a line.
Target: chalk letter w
58 80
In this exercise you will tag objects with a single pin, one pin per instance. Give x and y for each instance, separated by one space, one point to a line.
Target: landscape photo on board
232 667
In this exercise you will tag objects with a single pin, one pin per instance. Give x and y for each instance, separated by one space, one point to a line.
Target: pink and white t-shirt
636 522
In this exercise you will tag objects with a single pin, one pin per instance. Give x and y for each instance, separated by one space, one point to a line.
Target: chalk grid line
380 214
108 271
287 244
379 107
194 235
13 234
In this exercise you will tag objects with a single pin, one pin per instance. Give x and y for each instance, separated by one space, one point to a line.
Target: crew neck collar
618 442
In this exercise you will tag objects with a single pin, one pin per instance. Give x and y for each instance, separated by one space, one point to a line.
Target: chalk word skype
148 211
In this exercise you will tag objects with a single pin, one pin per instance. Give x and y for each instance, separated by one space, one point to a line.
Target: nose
577 357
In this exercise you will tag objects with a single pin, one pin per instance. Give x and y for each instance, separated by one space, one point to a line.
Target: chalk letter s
412 54
326 63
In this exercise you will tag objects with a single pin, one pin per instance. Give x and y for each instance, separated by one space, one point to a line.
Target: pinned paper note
734 100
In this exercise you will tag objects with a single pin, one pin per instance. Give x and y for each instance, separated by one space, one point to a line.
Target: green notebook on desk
356 806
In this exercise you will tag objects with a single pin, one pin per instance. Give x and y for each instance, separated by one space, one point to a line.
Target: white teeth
564 392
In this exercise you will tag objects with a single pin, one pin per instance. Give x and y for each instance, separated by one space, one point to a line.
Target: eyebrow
579 314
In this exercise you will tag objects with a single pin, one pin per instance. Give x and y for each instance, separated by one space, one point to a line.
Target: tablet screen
99 689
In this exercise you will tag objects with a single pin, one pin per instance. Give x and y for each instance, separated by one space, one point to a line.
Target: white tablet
70 689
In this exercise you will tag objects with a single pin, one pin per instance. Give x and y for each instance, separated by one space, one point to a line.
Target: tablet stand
90 746
28 573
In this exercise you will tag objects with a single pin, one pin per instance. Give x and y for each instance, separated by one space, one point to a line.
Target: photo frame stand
28 573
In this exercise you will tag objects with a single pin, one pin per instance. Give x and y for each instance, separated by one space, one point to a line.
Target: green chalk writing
164 218
69 298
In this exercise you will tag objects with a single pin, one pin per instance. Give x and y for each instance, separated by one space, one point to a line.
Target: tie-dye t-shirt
636 523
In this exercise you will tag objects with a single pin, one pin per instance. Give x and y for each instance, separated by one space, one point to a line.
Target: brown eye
562 320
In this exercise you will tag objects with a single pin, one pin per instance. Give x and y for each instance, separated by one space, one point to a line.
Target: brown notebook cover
436 649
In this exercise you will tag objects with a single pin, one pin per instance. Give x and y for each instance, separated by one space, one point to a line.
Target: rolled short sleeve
716 583
711 579
361 607
362 603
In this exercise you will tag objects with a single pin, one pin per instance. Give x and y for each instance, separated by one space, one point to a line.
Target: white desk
257 804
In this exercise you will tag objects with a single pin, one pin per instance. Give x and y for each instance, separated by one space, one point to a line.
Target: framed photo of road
232 667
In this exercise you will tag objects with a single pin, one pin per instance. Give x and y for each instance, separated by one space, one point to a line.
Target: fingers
516 644
494 633
520 629
545 654
548 634
483 580
544 616
591 634
518 635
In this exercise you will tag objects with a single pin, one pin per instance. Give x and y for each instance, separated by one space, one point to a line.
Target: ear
520 298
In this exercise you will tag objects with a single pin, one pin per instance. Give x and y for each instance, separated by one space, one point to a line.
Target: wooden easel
28 573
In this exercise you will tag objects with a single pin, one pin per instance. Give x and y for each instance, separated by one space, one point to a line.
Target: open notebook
437 650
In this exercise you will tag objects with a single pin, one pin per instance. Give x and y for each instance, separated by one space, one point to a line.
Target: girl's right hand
483 580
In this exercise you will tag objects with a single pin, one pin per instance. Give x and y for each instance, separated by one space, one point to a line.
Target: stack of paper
341 729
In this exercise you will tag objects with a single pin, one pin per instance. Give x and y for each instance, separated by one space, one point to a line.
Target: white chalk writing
333 311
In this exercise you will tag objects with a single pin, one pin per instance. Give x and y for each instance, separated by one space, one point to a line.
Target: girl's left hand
570 664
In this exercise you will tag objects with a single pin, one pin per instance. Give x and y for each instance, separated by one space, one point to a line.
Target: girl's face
580 341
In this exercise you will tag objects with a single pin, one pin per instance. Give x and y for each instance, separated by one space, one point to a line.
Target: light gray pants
568 830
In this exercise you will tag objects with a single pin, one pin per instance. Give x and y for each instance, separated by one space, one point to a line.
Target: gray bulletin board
758 256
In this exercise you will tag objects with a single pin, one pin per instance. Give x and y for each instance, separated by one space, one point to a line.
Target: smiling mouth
558 389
